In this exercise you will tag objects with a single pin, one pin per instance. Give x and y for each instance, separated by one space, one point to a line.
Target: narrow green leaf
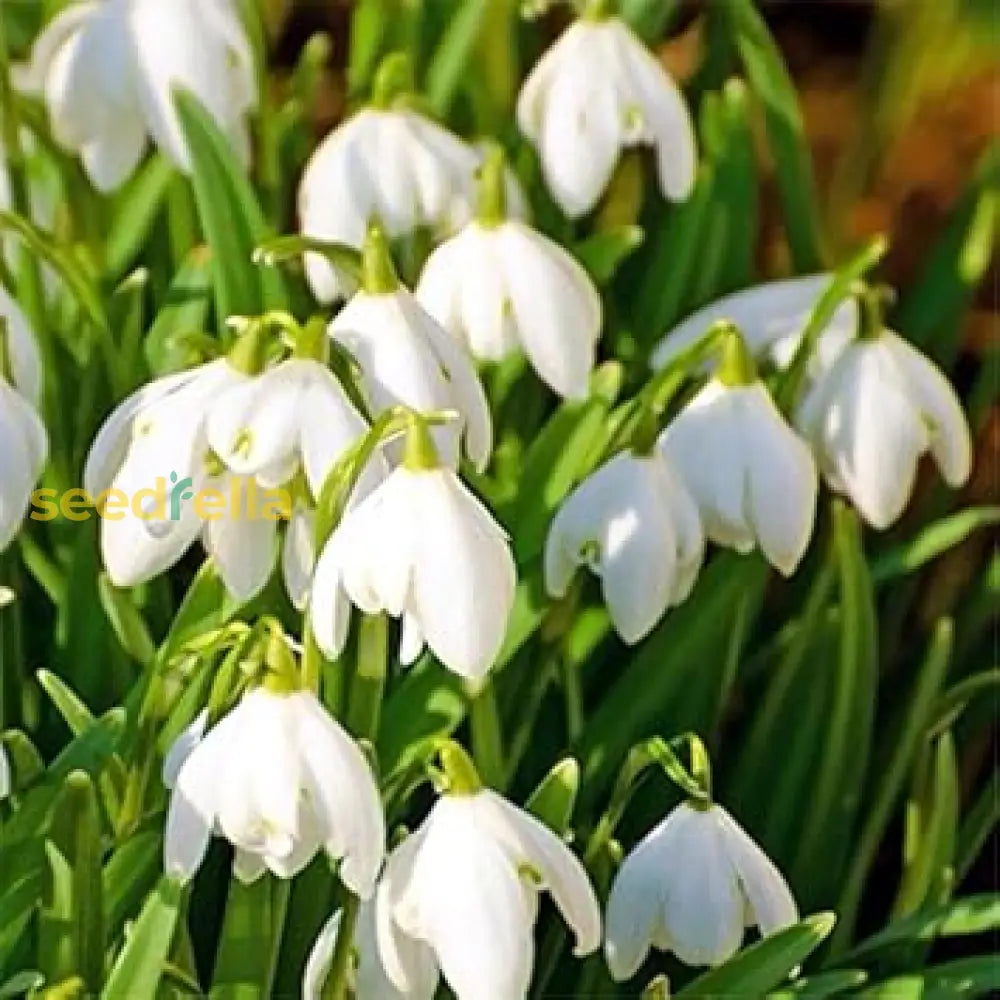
824 985
932 541
129 875
231 217
184 312
126 621
960 917
604 252
250 939
134 212
71 927
284 248
770 81
761 967
648 18
68 703
980 821
553 800
452 56
836 793
139 966
962 979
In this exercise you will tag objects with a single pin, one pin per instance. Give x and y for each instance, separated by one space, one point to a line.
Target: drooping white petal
342 791
298 555
182 748
466 900
463 574
939 406
330 612
243 543
22 350
771 317
555 305
529 840
23 453
770 900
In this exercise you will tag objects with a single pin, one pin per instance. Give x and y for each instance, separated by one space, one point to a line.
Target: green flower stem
393 79
363 717
420 453
492 207
736 363
378 272
487 736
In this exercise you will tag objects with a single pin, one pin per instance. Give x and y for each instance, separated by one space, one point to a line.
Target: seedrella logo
182 490
169 499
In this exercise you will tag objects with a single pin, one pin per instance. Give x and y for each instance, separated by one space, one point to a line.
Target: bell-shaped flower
369 980
752 476
692 886
407 358
499 286
24 444
633 524
295 414
772 318
597 91
391 162
466 884
423 548
280 780
874 413
108 70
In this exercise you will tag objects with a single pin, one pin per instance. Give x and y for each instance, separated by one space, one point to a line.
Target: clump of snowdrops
437 558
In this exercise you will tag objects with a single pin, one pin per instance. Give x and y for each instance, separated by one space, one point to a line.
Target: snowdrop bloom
466 884
408 359
423 548
753 478
691 887
279 779
500 286
771 318
874 413
24 443
598 91
634 524
370 980
108 70
391 162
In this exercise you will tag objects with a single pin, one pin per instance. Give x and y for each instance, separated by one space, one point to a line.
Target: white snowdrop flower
771 317
752 476
24 443
108 70
875 412
691 887
633 524
298 556
389 162
369 980
597 91
499 286
293 414
466 884
407 358
280 780
183 746
423 548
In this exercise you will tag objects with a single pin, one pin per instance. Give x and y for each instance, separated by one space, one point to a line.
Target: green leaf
958 918
284 248
46 248
451 58
68 703
761 967
250 939
604 252
139 966
932 541
648 18
836 793
134 212
231 217
771 83
128 876
71 927
965 978
184 312
126 621
826 984
980 821
553 800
